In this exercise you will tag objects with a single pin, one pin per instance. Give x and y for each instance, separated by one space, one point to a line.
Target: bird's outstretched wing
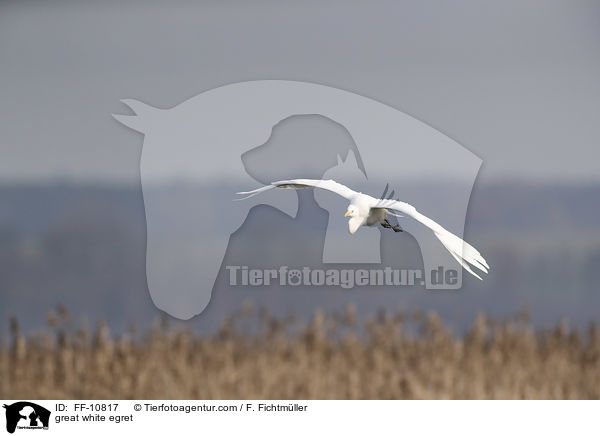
462 251
329 185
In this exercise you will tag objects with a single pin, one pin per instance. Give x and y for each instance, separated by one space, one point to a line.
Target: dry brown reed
330 358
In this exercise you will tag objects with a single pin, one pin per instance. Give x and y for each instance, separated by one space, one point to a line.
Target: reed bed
390 356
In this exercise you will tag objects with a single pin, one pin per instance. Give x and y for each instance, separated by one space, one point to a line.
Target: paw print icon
294 277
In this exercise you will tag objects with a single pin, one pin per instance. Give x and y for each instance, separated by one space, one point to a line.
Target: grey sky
515 82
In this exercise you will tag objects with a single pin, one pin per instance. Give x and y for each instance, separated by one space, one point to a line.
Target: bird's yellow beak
347 213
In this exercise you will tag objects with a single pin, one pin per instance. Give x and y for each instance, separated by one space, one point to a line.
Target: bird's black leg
386 225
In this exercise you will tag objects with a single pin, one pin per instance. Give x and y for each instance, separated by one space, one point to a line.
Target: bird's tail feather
463 252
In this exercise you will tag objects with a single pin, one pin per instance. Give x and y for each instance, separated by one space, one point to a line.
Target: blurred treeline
85 245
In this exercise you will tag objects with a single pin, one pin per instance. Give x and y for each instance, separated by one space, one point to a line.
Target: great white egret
365 210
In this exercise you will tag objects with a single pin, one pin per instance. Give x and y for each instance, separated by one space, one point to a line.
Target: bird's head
351 211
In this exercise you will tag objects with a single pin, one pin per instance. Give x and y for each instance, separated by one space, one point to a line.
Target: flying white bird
365 210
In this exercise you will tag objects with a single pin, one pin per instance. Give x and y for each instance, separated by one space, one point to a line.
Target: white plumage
365 210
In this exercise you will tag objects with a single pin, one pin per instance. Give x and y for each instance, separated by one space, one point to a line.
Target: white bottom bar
306 417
